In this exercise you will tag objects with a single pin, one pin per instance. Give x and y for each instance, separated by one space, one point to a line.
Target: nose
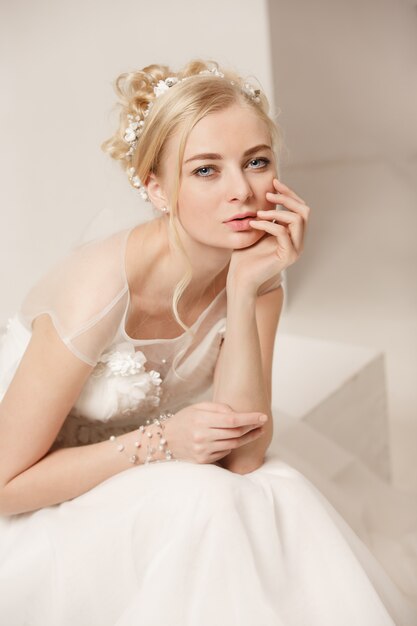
238 187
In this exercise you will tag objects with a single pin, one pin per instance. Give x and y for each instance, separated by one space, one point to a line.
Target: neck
209 266
154 268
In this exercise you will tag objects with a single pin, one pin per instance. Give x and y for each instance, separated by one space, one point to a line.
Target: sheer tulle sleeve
85 294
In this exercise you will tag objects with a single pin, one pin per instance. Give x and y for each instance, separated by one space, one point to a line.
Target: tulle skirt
184 544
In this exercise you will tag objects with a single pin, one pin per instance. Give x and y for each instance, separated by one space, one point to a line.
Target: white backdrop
345 78
58 63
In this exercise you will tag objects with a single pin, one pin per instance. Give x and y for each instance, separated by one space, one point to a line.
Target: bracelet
159 421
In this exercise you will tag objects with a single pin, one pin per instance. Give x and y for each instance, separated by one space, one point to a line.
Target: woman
207 532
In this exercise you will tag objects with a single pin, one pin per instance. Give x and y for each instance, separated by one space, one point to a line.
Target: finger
214 434
222 407
277 230
295 223
281 186
286 245
291 203
287 217
227 444
232 419
217 456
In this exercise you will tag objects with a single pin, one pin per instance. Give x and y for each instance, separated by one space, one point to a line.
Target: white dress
181 543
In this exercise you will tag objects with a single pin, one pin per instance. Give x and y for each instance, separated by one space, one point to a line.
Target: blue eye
200 172
207 170
265 161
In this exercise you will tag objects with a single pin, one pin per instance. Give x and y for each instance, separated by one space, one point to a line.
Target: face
228 167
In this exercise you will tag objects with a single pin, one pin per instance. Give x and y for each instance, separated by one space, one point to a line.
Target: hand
207 431
282 245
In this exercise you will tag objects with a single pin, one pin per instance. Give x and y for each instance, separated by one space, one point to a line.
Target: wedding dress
182 543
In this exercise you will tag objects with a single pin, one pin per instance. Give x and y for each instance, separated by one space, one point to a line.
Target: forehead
233 129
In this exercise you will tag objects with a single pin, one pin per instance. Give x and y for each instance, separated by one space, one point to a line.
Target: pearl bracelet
150 450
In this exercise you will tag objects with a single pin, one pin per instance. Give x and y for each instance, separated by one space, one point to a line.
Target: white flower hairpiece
164 85
136 123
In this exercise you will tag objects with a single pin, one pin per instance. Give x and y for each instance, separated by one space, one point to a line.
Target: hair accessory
144 431
136 123
163 85
135 180
251 92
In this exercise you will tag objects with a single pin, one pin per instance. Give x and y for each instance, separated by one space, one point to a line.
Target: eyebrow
213 155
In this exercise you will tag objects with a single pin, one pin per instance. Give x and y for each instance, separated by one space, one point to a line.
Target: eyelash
208 167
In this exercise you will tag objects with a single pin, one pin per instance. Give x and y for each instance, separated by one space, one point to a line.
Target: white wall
58 64
345 80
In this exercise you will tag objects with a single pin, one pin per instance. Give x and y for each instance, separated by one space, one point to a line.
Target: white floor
397 338
340 391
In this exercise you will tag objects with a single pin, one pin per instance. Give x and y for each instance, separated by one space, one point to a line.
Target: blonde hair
180 108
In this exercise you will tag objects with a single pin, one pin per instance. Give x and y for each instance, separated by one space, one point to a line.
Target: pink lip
241 215
240 225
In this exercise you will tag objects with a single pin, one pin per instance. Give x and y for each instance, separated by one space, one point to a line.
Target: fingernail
263 418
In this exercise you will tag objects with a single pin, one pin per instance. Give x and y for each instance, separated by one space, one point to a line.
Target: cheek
194 212
262 188
197 201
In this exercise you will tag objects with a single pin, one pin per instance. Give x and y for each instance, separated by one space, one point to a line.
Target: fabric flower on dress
119 385
124 361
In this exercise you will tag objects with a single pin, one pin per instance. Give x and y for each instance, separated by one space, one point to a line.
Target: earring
164 209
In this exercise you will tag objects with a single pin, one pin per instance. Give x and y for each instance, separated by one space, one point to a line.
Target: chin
247 238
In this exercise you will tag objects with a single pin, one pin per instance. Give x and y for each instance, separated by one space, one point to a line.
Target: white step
337 389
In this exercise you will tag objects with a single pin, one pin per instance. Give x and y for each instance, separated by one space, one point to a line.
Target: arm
243 379
46 385
243 372
63 475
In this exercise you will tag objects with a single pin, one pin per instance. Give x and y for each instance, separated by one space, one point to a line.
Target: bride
135 480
